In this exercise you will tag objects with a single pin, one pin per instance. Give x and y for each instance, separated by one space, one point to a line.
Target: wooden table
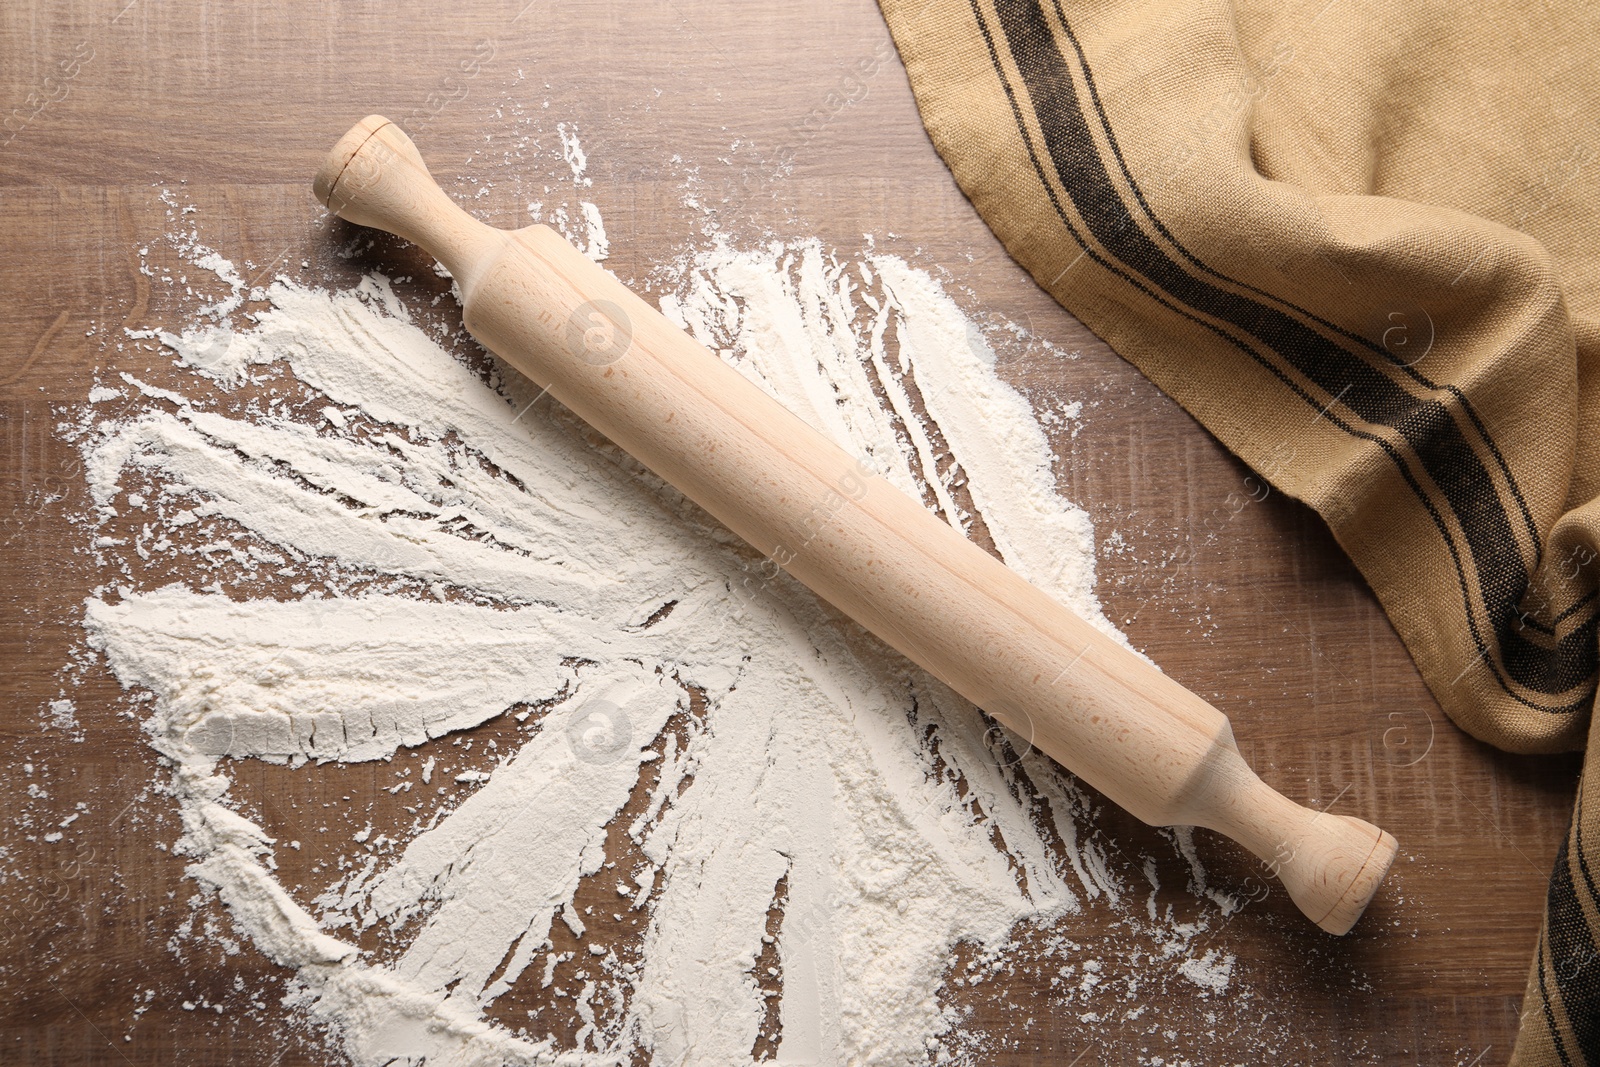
230 107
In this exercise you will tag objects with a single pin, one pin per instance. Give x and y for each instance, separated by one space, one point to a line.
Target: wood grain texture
233 107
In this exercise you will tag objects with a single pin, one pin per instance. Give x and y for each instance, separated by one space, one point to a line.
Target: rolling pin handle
375 177
1331 865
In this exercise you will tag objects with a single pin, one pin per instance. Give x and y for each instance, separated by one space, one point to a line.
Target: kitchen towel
1358 241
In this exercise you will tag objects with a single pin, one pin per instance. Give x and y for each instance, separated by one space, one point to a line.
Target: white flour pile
454 555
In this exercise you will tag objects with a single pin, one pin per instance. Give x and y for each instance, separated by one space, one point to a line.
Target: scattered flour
1211 972
63 715
597 247
791 762
572 151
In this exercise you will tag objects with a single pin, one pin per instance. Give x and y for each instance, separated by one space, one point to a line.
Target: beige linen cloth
1359 242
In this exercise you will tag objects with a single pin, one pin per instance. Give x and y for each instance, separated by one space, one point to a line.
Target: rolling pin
879 556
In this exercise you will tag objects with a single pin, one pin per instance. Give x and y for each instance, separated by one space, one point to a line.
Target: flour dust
808 825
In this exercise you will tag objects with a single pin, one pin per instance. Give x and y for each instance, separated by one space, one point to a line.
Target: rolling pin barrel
811 508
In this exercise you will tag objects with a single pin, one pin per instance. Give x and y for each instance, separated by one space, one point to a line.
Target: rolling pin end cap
339 159
1363 884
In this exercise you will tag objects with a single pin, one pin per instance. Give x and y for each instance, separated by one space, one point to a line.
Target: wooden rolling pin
882 558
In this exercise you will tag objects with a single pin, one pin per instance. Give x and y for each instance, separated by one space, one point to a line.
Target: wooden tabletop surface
687 110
